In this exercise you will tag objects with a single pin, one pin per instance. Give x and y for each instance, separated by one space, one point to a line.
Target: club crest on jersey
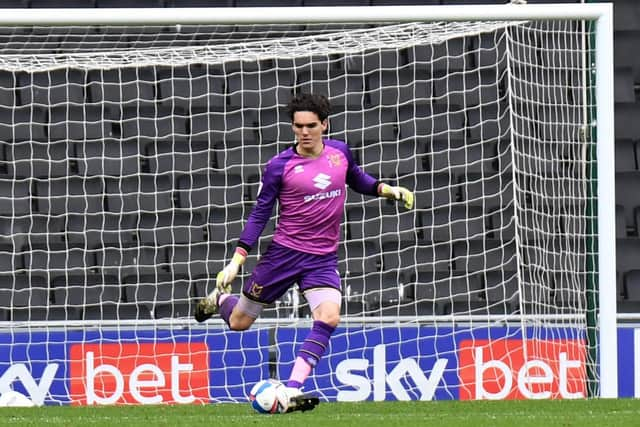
256 290
322 181
334 159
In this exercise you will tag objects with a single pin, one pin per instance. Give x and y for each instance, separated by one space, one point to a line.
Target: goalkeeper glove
397 193
226 276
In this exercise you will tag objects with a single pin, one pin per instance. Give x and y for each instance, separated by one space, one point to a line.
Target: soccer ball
266 396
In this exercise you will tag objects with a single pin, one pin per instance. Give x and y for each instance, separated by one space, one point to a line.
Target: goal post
132 146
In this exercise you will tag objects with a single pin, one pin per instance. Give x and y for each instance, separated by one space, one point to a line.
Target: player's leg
325 306
238 312
274 274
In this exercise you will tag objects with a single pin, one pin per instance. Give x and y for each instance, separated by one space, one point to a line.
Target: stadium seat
626 157
488 122
431 189
449 56
110 157
233 127
269 87
38 230
461 158
569 300
110 230
152 289
24 289
172 227
627 197
196 87
345 92
379 124
143 193
153 123
385 289
50 88
425 119
133 86
624 90
387 224
39 159
391 87
627 255
225 225
15 197
453 223
58 260
132 261
624 41
501 290
27 123
82 290
9 260
203 191
72 194
246 161
424 256
48 313
170 156
626 124
489 191
471 89
7 88
80 123
116 311
429 290
199 260
393 159
488 51
274 127
483 255
621 225
356 257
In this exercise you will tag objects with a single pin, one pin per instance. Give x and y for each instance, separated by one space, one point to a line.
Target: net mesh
132 156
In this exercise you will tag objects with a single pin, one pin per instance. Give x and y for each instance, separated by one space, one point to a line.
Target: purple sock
316 342
227 307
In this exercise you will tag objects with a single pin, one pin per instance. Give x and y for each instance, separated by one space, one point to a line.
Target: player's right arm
260 215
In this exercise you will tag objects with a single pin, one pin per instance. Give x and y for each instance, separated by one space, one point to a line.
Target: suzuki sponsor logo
140 373
517 369
352 372
323 195
322 181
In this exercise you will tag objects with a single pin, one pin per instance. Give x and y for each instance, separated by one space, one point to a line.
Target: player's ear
325 125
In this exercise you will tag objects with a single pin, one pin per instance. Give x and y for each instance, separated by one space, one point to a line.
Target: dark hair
318 104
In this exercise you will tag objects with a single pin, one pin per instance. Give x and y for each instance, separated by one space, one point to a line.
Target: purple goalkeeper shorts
280 267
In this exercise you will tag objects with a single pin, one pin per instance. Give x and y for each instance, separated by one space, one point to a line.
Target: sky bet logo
507 369
139 373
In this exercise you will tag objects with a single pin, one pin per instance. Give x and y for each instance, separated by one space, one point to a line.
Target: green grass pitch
579 413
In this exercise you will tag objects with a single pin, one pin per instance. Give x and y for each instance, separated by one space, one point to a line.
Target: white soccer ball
266 396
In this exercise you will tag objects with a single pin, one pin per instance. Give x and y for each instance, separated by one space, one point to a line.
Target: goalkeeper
309 181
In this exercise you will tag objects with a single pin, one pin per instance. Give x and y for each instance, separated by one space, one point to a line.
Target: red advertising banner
517 369
139 373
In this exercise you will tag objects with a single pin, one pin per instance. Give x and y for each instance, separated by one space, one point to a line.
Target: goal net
131 157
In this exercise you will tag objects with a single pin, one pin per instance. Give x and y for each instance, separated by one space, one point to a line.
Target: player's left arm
396 193
364 183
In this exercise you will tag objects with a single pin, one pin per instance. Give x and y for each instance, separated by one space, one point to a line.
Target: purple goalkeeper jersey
311 194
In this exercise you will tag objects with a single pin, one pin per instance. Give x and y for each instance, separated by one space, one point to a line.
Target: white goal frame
601 14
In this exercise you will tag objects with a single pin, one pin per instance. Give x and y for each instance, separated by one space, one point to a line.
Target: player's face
308 130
